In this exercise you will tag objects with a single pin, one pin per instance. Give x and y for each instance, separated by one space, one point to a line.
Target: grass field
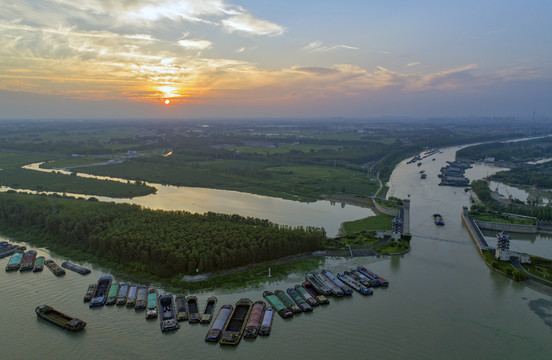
378 222
41 181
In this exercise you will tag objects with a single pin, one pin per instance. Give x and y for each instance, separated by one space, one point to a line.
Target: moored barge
320 286
334 289
100 294
311 300
167 313
232 333
28 260
151 307
299 300
193 310
266 323
89 293
181 311
60 319
122 294
209 310
364 290
112 294
347 290
287 301
131 297
141 297
254 322
54 268
320 297
373 276
15 261
277 304
76 268
39 264
214 333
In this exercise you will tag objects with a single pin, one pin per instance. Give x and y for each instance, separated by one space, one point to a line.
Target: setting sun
167 102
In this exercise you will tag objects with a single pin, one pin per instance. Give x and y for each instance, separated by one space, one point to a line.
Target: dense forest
163 243
539 175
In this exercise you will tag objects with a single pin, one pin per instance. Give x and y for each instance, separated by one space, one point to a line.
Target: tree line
163 243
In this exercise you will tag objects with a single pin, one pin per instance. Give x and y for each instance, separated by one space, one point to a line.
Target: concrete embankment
525 229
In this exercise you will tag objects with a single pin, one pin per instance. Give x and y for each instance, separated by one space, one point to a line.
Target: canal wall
385 210
475 232
525 229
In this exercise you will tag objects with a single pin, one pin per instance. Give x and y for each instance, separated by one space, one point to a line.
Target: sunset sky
260 58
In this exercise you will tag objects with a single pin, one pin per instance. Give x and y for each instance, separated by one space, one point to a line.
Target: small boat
57 318
277 304
311 289
364 290
112 294
344 287
214 333
311 300
320 286
131 297
373 276
15 261
254 322
181 311
334 289
193 310
423 176
299 300
141 297
89 292
76 268
363 279
151 307
209 310
232 333
167 313
438 219
100 294
266 323
122 294
39 264
290 304
54 268
28 260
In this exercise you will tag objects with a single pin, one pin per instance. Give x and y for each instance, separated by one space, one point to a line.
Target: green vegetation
506 219
540 267
387 203
377 222
41 181
364 238
164 244
390 247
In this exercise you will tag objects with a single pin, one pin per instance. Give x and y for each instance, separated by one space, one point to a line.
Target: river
442 302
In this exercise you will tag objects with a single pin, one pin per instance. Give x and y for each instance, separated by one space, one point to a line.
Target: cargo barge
54 268
299 300
57 318
311 289
373 276
181 311
167 313
438 219
15 261
277 304
122 294
141 297
311 300
193 310
151 307
89 293
266 323
232 333
112 294
209 310
76 268
28 260
100 294
131 297
254 322
347 290
39 264
290 304
215 331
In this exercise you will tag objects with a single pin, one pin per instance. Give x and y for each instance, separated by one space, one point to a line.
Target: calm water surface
443 302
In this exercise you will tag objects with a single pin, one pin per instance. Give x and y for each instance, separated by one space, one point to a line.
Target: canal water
442 302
